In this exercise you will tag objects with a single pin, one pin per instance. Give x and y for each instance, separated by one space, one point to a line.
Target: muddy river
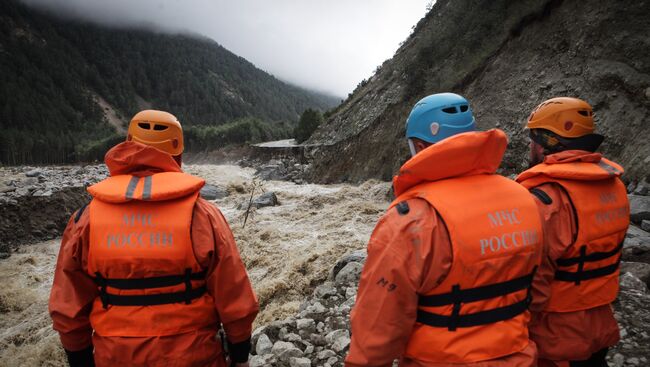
288 250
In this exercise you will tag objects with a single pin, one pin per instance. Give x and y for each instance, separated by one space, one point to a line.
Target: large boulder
358 256
350 274
639 270
266 199
629 282
211 192
639 208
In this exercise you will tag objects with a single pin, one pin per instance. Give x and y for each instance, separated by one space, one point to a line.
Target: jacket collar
466 154
131 158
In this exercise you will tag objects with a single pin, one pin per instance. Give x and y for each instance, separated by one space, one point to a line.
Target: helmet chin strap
412 147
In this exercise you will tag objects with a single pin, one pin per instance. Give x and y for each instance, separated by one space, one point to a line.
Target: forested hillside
62 82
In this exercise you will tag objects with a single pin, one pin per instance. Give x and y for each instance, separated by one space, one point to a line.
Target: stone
358 256
285 350
306 324
264 345
325 354
645 225
350 292
632 361
315 311
325 290
336 334
639 207
631 187
309 349
639 270
42 193
6 188
634 231
350 273
341 344
211 192
262 361
266 199
631 283
618 360
299 362
642 188
272 172
34 173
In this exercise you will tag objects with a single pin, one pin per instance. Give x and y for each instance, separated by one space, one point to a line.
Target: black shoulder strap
541 195
80 212
403 208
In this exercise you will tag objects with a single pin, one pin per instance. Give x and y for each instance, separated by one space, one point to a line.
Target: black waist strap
592 257
147 283
153 299
143 283
459 296
473 319
478 293
578 276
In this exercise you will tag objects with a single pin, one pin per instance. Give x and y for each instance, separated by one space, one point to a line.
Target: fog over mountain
326 45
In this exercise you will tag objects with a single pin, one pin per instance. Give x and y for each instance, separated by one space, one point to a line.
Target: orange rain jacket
173 337
572 321
410 258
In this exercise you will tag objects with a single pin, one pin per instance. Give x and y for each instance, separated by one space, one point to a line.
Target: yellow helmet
567 117
158 129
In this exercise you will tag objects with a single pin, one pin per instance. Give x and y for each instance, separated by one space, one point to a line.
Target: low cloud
326 45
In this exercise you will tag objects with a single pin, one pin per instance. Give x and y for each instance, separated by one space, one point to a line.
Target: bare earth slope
506 57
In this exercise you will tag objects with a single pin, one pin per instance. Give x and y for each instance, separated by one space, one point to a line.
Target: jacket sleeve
560 230
73 290
227 280
401 263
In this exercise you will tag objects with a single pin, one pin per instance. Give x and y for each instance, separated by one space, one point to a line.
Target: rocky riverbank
318 233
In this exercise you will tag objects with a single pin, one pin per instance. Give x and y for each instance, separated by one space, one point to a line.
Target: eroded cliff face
505 57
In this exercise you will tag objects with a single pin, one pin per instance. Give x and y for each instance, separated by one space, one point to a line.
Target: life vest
479 311
587 274
142 259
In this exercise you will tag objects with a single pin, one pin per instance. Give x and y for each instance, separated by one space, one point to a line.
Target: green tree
309 121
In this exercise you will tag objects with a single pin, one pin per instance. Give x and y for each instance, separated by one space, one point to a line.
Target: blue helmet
439 116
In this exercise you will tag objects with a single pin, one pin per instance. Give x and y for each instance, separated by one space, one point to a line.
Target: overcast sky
327 45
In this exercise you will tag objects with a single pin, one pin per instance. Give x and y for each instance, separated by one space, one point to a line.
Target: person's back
586 213
148 271
449 266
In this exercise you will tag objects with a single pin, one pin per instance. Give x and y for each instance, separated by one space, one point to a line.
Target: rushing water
288 250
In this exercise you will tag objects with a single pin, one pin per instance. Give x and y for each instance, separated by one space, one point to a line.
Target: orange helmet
565 116
158 129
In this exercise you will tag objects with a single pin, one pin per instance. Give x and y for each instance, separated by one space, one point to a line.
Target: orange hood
570 164
466 154
131 158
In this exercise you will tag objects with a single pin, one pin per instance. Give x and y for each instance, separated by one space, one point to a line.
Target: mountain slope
505 57
61 82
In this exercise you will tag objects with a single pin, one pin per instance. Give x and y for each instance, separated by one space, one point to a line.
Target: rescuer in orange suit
586 215
450 264
149 271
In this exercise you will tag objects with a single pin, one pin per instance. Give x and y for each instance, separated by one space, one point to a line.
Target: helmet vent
449 110
464 108
144 125
159 127
584 112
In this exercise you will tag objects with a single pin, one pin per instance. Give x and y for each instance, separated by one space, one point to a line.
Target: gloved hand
238 353
81 358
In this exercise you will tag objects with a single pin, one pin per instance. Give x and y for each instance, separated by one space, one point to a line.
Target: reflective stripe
613 171
131 188
146 193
